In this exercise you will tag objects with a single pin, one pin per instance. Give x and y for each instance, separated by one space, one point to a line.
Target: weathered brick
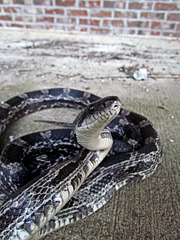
122 14
5 18
166 6
34 26
18 25
138 24
57 11
100 13
99 30
24 18
114 4
18 1
12 9
174 17
167 25
163 25
33 10
77 12
143 32
140 5
115 23
90 4
171 34
71 28
152 15
45 2
45 19
27 2
5 1
92 22
65 3
126 31
66 20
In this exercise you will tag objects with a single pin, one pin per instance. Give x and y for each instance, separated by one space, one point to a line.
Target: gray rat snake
45 180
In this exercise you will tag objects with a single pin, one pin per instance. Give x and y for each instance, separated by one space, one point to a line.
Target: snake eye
91 110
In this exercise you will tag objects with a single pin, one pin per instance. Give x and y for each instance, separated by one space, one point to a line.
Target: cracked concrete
31 60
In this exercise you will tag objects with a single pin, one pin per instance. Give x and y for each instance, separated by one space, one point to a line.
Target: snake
55 177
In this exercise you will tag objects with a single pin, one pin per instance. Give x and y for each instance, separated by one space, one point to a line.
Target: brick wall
161 18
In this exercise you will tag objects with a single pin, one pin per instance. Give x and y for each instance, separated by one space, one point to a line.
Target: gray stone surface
104 66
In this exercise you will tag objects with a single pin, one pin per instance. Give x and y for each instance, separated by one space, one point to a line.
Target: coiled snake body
41 172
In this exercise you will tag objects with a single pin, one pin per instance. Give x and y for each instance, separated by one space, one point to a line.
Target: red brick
65 3
77 12
12 9
178 27
66 20
90 4
152 15
116 23
138 5
174 17
45 2
114 4
139 24
55 11
6 18
155 25
166 6
100 13
119 14
100 30
155 33
91 22
45 19
84 29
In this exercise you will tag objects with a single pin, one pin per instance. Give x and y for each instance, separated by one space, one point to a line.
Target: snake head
103 110
93 119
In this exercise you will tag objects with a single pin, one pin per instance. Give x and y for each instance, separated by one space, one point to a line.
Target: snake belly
135 155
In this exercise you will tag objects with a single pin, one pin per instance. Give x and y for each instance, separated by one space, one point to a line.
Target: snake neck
95 140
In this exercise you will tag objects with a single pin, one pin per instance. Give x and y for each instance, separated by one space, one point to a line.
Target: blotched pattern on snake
45 176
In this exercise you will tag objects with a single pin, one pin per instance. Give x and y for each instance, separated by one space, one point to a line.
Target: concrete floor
104 65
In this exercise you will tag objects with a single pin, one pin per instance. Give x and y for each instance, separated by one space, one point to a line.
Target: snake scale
44 176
